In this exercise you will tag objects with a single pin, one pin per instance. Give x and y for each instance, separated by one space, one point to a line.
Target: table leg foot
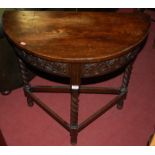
73 138
30 101
120 104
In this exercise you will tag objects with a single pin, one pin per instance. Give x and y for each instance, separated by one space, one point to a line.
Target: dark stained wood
77 45
75 74
83 89
100 112
76 36
49 111
2 140
125 82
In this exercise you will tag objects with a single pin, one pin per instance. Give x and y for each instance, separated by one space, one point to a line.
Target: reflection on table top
76 36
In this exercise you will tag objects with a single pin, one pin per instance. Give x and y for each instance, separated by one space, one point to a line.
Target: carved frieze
105 67
87 69
44 65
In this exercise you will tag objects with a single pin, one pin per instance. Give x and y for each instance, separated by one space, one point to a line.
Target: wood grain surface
76 36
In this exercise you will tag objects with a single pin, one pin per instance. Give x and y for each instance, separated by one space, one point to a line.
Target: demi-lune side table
76 45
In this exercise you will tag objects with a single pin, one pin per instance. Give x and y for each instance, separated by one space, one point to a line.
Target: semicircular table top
75 36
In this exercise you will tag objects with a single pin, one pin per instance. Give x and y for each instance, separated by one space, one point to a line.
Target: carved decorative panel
105 67
45 65
87 70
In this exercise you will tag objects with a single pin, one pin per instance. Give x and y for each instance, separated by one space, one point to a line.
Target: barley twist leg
74 116
125 83
24 75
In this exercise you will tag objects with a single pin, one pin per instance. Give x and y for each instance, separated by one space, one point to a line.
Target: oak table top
75 36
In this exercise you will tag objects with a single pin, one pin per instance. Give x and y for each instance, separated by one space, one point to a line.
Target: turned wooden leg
74 116
75 85
124 86
26 85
